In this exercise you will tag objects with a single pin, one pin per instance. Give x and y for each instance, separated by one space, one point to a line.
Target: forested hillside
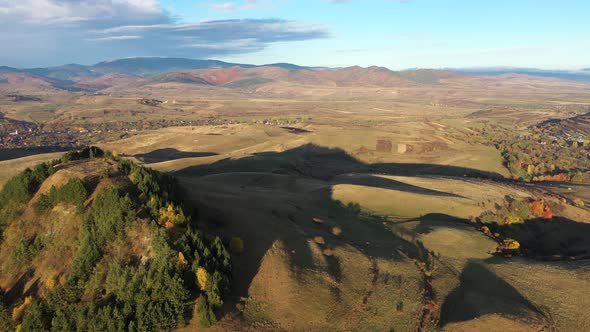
92 242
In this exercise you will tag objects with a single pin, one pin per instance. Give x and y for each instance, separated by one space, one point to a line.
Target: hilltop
91 237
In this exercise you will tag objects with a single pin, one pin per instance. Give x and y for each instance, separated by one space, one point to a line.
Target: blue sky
394 33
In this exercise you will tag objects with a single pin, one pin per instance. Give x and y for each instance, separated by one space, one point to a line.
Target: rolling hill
577 127
82 243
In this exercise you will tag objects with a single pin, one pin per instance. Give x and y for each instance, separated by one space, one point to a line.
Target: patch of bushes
86 153
105 220
21 188
73 192
538 155
25 251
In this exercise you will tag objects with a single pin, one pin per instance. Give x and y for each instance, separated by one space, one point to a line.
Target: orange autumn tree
548 214
538 208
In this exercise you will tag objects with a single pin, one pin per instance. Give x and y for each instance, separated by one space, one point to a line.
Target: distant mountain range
141 67
577 75
153 70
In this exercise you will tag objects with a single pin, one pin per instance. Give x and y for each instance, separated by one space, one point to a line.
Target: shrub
319 240
578 202
206 316
236 245
521 209
488 217
510 244
510 220
337 231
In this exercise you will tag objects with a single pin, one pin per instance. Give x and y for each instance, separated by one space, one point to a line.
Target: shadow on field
14 153
552 239
264 215
167 154
482 292
324 164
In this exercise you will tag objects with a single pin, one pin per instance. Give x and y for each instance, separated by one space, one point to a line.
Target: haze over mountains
145 71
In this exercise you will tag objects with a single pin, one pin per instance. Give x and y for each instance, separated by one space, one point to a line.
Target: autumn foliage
540 210
17 313
202 277
509 244
548 214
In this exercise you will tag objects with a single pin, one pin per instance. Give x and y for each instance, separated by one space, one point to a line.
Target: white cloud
113 38
42 32
246 5
227 7
48 12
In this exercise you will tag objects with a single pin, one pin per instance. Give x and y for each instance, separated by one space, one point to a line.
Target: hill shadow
14 153
167 154
292 211
294 130
325 163
482 292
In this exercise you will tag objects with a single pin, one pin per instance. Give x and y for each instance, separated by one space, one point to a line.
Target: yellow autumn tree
512 220
510 244
530 169
181 259
168 216
50 283
202 277
17 313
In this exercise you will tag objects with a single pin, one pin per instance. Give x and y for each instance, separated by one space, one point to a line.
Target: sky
398 34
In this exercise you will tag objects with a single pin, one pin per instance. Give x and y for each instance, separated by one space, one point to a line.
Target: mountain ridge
142 71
